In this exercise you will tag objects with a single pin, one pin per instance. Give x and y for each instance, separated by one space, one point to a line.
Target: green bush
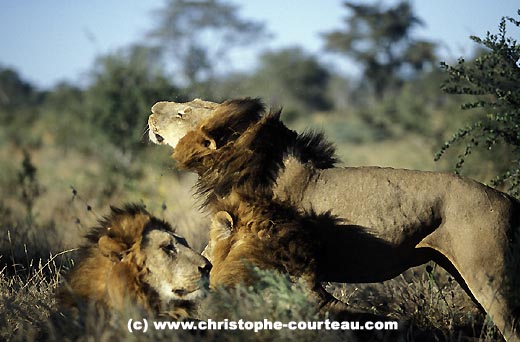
124 88
493 79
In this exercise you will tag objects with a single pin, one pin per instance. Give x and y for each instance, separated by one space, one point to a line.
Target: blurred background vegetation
69 151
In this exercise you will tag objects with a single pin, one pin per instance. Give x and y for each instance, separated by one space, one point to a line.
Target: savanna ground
68 153
51 197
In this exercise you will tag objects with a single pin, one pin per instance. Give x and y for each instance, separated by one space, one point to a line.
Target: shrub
493 79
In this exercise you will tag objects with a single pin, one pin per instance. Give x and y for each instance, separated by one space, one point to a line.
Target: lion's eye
169 248
179 115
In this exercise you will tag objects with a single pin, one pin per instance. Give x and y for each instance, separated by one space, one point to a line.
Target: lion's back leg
481 265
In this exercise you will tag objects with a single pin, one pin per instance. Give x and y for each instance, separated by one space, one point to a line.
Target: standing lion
408 217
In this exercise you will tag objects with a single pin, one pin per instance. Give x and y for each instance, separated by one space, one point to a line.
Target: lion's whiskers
145 133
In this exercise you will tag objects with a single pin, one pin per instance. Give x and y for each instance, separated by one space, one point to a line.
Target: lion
273 235
266 234
190 114
409 217
134 257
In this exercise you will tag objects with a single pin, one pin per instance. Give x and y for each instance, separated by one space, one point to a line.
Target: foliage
25 299
14 93
427 296
19 101
493 78
23 229
125 86
275 298
380 40
200 34
65 119
299 75
288 78
65 97
419 106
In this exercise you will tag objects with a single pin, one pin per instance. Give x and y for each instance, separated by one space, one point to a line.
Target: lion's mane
111 265
241 146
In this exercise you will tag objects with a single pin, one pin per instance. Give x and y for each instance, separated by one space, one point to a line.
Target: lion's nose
206 268
159 137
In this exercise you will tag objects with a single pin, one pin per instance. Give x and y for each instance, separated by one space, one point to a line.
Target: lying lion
409 217
133 257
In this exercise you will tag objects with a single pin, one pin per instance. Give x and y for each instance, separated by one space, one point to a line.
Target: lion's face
221 123
134 257
170 121
174 270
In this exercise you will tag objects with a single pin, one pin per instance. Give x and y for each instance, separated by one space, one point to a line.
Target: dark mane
254 159
232 118
282 237
112 226
312 147
249 150
116 214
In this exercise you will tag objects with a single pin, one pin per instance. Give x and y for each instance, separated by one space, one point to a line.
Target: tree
20 104
493 78
380 39
295 76
200 34
15 95
125 86
288 78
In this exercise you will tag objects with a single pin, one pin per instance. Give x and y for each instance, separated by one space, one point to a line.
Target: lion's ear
208 142
205 104
221 225
110 248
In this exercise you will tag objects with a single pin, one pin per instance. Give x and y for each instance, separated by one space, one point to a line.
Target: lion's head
133 256
265 234
237 144
171 121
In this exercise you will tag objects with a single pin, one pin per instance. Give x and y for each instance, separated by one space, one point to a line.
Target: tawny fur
112 268
267 234
407 217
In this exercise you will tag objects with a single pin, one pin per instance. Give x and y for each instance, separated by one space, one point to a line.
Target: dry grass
426 312
428 298
27 296
77 189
